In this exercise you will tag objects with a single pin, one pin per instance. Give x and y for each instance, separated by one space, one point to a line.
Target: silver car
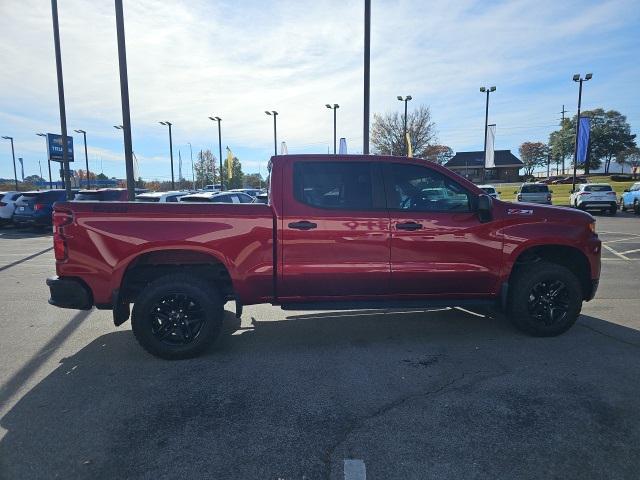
534 193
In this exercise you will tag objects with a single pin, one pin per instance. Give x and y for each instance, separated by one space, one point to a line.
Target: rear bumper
69 293
40 220
596 204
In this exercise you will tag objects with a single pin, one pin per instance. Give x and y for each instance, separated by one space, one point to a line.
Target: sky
191 59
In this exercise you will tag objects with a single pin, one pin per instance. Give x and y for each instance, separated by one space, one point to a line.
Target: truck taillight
584 193
59 247
62 218
38 206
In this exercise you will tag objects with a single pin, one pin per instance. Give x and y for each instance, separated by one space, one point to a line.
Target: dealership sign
54 147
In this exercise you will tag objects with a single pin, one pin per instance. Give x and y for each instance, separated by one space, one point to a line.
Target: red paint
349 255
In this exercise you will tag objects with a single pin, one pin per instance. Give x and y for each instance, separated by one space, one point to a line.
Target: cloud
189 60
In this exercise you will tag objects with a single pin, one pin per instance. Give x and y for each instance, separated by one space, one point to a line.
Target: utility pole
13 154
335 108
219 120
577 78
193 175
63 114
561 142
488 90
124 93
367 75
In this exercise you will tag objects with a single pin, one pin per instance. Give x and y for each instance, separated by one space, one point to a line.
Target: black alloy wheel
177 319
549 302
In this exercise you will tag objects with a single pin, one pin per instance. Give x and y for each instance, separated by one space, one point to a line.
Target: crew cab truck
338 232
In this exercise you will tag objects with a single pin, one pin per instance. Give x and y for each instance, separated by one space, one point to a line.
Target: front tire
636 207
545 299
177 316
622 207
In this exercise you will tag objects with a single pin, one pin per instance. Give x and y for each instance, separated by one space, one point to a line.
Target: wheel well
152 265
569 257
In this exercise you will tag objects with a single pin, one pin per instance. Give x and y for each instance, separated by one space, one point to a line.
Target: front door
335 232
438 244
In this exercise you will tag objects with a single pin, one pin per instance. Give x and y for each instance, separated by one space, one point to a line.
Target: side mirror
484 208
550 191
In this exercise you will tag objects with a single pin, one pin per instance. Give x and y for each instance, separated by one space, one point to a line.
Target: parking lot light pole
275 132
580 80
219 120
86 155
335 108
488 90
168 124
193 175
406 142
48 161
13 154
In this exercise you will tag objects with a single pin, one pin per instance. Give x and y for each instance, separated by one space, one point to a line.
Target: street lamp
193 175
488 90
335 108
86 156
218 119
577 78
48 160
13 154
168 124
406 142
275 134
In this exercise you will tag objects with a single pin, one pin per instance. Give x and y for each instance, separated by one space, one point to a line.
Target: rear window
195 199
141 198
489 189
99 196
597 188
340 185
534 188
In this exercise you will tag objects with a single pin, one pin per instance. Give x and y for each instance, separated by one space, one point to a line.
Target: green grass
561 193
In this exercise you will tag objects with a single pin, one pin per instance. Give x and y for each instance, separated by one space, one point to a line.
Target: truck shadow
285 395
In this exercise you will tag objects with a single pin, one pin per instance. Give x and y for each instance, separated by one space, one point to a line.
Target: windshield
534 188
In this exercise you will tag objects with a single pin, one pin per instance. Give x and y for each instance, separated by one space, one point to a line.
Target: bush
621 178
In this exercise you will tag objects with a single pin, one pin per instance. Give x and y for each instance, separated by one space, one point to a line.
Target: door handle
303 225
409 226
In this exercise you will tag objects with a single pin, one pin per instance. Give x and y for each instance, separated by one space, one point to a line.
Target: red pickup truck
338 232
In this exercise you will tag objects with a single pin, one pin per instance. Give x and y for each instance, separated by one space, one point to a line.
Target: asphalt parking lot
420 394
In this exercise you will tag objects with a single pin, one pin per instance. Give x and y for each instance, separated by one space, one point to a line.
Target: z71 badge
519 211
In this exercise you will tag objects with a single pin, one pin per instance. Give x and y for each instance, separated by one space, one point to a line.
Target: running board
388 304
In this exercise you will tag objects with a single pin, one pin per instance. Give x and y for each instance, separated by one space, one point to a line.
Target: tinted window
417 188
246 199
489 190
221 199
172 198
140 198
195 199
597 188
534 188
343 185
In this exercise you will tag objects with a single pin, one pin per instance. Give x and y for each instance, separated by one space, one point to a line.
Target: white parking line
354 470
635 250
615 253
636 238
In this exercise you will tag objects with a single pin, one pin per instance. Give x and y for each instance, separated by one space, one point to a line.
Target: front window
417 188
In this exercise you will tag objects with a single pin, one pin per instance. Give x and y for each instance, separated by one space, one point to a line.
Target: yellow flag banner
229 164
409 147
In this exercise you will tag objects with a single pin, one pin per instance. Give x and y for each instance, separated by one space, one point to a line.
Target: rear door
438 245
335 231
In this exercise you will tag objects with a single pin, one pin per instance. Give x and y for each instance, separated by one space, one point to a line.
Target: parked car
569 180
221 197
105 195
630 198
7 206
253 192
161 197
490 190
534 193
34 209
212 188
595 196
341 232
262 197
550 180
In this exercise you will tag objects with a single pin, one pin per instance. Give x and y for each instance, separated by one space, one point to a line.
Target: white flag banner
283 149
343 146
491 139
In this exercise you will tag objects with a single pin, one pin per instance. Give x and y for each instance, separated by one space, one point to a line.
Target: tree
236 181
533 154
387 132
561 143
610 134
102 176
253 180
439 154
33 179
630 156
205 168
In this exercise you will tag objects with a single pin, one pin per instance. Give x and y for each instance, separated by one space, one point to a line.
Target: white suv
491 191
7 206
595 196
534 193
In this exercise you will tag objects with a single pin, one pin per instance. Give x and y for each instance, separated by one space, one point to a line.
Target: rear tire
622 207
545 299
613 210
636 207
177 316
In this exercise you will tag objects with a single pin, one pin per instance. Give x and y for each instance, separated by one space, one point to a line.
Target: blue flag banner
583 139
54 146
